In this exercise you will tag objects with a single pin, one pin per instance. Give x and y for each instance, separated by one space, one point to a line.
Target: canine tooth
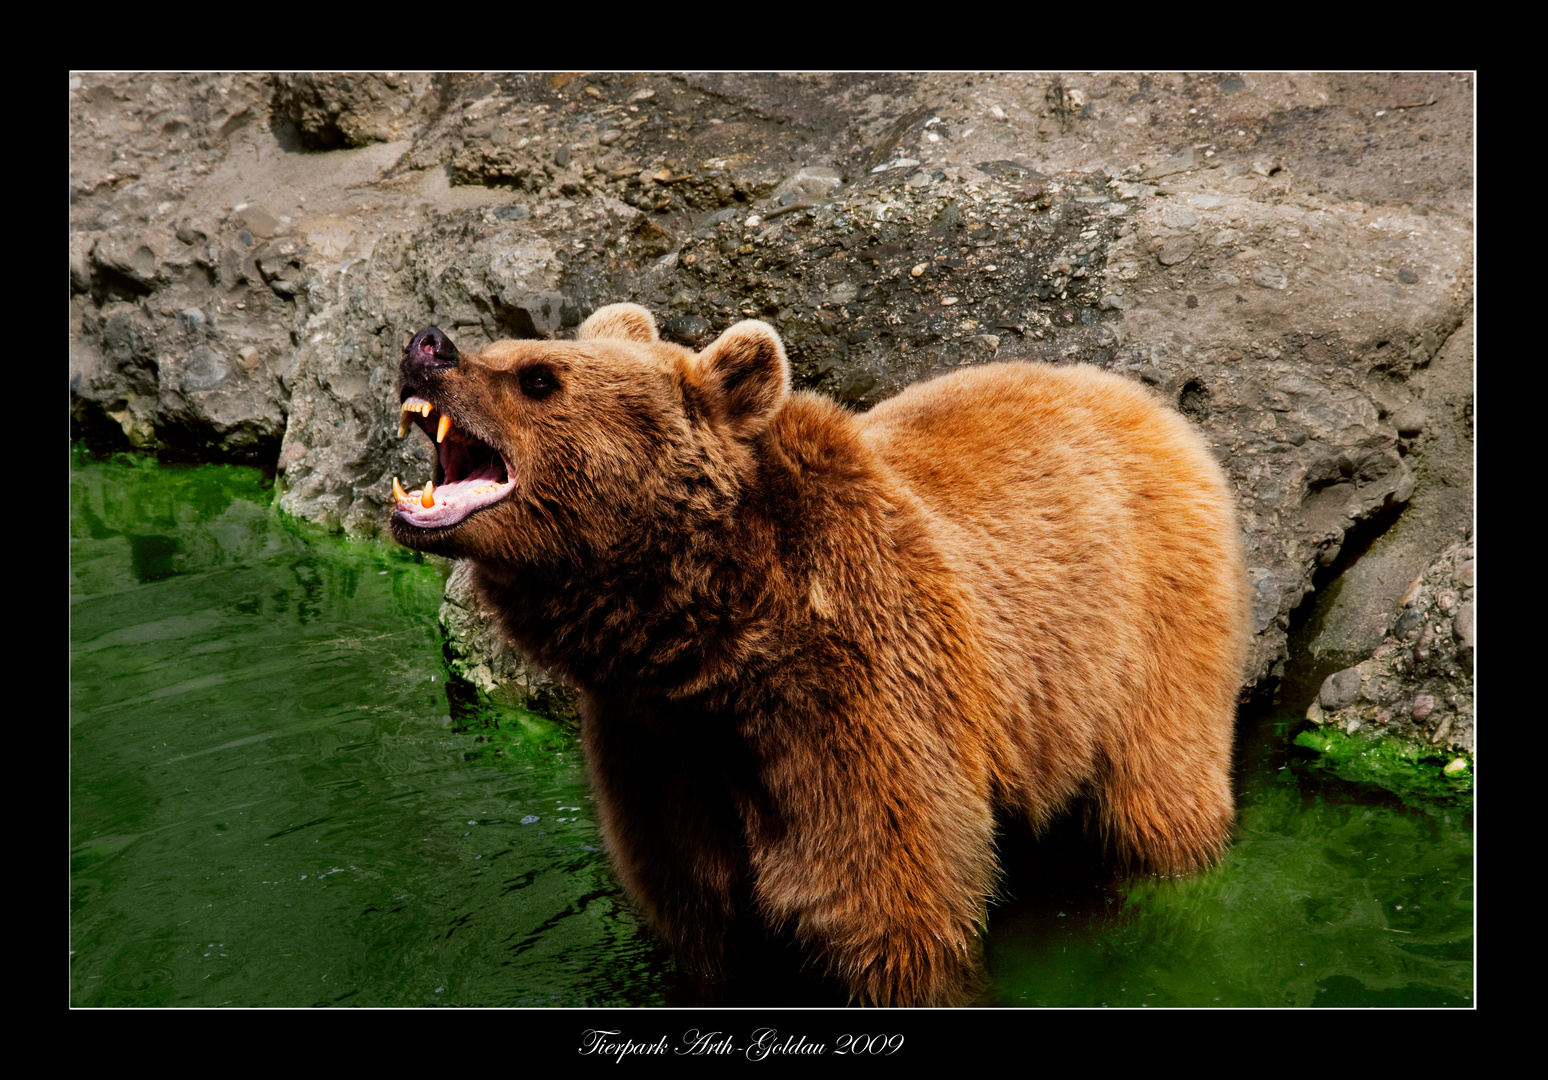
443 428
403 426
427 500
397 491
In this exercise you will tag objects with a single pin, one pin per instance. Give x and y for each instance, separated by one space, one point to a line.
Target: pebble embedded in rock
1409 420
1181 161
692 330
1340 689
1408 624
1462 628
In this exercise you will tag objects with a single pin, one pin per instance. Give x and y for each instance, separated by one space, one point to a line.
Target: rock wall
1287 258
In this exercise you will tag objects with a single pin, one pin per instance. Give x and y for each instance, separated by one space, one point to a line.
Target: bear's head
561 451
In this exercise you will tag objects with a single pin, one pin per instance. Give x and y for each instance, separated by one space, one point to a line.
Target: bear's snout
429 350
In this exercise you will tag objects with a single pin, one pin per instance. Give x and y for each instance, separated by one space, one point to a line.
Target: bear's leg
671 830
891 904
1165 804
914 965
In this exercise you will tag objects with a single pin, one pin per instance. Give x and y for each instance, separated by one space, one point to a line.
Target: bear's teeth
413 405
397 491
443 428
427 500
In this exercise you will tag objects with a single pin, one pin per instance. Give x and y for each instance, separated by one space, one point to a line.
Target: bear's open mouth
468 474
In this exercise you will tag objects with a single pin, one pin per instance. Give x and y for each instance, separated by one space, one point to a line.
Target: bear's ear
745 373
625 322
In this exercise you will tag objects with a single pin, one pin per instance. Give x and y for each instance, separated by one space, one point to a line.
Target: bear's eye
538 381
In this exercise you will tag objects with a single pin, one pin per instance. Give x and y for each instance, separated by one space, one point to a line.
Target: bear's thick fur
815 650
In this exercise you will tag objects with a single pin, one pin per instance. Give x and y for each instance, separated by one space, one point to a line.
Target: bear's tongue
438 507
475 473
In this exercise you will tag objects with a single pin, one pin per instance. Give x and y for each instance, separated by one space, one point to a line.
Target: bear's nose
430 349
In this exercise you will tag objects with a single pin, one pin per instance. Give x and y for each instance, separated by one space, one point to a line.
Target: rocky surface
480 655
1418 683
1287 258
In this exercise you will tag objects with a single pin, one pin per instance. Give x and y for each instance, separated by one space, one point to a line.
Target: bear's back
1068 436
1031 454
1099 537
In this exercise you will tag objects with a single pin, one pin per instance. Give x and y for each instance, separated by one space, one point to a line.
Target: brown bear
816 650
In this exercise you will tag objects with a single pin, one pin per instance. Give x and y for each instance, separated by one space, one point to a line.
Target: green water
274 800
1333 894
277 799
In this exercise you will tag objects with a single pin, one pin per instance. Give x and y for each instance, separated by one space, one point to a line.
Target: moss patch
1402 767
